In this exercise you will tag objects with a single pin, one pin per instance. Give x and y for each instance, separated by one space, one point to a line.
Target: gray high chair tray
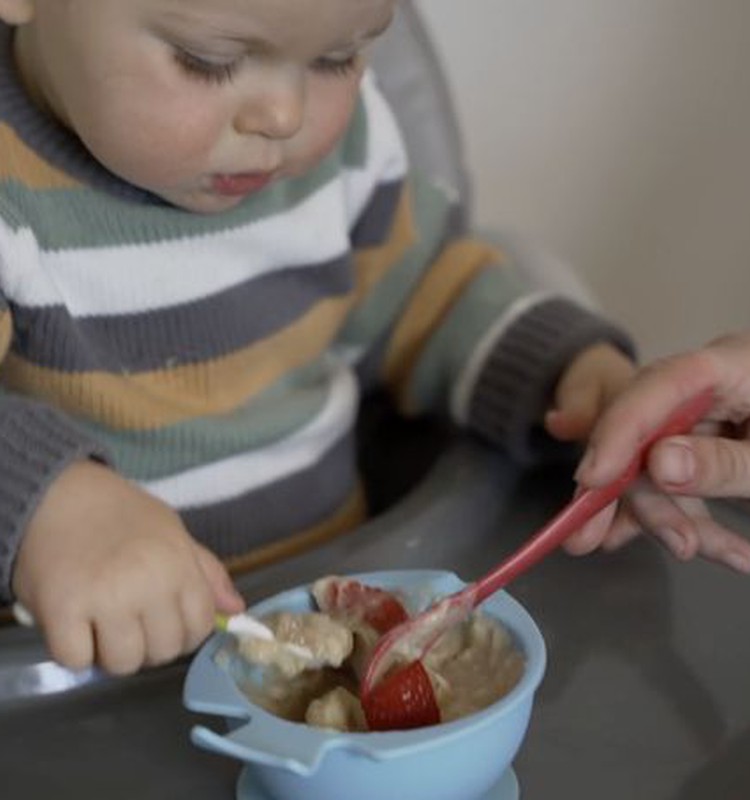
646 691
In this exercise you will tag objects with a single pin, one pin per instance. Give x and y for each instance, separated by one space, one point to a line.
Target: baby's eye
336 66
209 71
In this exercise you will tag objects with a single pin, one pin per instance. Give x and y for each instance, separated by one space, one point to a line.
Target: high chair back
412 78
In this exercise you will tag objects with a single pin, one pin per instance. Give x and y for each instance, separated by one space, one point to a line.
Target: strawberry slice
347 597
404 699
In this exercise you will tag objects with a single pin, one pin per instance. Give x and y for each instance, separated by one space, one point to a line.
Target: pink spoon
410 640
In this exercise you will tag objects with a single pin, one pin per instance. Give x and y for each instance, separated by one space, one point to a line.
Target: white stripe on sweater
231 477
134 278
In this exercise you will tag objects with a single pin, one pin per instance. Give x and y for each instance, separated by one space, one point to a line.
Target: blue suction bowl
459 760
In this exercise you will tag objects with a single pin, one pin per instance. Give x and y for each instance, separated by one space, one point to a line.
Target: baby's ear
16 12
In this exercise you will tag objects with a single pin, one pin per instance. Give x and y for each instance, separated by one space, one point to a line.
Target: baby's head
200 102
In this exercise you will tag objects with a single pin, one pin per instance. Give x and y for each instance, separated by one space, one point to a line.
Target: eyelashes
217 74
336 67
206 71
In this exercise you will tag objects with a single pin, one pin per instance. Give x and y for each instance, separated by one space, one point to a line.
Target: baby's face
201 101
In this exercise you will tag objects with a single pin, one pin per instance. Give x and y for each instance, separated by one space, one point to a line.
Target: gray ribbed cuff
515 386
36 444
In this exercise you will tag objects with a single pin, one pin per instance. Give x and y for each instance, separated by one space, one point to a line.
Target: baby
210 244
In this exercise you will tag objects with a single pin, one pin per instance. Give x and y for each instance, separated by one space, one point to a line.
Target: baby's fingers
164 633
225 596
578 404
120 642
70 639
198 614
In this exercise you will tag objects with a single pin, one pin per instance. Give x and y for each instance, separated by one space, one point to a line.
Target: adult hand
713 461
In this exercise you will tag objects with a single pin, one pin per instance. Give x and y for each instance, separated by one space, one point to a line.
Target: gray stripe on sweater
281 509
375 222
184 334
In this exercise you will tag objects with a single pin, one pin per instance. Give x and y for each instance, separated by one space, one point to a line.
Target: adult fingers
723 546
667 520
625 527
646 509
701 466
592 534
637 412
685 527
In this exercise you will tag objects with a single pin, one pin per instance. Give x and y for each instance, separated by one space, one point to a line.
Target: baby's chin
200 202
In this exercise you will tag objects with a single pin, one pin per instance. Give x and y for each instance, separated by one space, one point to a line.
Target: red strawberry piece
347 597
404 699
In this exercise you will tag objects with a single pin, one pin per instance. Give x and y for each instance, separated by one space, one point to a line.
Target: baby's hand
112 576
585 389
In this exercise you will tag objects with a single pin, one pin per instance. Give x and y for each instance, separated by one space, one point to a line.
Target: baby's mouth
240 183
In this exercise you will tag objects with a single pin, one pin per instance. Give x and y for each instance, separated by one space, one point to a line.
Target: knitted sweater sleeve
454 325
36 443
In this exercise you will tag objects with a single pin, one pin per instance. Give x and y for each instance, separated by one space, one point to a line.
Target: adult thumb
703 466
226 596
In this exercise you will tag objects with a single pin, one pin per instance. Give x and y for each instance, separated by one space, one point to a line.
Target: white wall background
617 133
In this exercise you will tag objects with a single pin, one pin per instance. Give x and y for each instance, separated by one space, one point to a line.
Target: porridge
471 666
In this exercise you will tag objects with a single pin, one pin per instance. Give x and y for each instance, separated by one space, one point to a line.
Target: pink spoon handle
588 503
415 636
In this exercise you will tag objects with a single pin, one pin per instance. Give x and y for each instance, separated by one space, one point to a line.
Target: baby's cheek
150 149
324 134
330 103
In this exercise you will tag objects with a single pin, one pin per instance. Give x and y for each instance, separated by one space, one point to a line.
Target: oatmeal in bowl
301 731
471 666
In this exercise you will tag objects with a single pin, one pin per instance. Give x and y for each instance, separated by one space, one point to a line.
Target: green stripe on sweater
276 413
73 218
382 304
450 347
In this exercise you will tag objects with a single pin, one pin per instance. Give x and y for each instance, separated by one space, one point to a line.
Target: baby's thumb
705 466
226 596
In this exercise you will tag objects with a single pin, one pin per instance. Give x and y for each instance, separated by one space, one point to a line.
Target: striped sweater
218 360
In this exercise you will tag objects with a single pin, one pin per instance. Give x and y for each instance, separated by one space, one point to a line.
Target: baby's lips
376 607
404 699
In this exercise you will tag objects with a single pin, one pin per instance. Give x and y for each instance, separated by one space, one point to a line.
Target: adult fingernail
739 562
675 465
672 540
586 465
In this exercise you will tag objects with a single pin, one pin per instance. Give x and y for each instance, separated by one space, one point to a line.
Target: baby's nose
276 109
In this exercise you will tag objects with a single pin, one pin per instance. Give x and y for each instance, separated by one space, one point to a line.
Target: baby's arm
113 577
449 322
